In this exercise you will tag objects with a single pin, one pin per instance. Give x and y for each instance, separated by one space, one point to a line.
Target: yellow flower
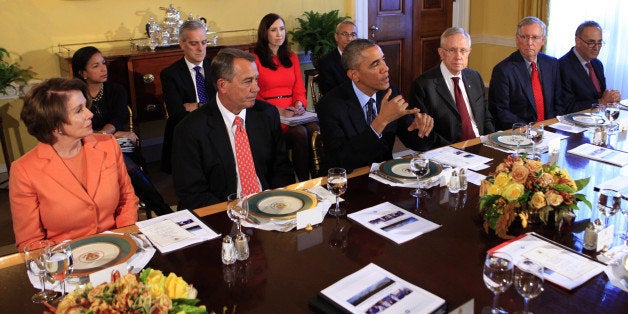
494 189
537 201
513 191
176 287
553 198
155 282
502 179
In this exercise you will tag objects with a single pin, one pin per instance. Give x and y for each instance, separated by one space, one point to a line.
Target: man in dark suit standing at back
453 94
186 83
330 70
233 144
582 73
361 118
526 86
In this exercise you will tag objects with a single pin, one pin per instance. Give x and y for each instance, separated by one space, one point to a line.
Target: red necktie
538 94
467 129
246 167
596 83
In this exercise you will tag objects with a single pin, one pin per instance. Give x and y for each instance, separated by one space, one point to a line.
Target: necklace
99 95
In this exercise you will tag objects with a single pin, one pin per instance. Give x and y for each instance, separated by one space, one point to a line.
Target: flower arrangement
149 293
521 187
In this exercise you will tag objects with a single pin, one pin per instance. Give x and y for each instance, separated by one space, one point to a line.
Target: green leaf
581 183
144 274
316 31
582 198
488 200
564 187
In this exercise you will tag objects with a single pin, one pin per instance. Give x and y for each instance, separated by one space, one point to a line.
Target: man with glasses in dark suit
582 73
330 70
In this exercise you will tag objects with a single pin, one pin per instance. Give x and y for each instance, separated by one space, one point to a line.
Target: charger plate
400 168
623 104
584 119
506 139
100 251
280 204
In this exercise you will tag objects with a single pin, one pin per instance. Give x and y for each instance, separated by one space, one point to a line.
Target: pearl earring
59 131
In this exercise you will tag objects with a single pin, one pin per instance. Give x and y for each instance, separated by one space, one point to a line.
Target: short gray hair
352 55
529 20
190 25
453 31
222 64
584 24
345 22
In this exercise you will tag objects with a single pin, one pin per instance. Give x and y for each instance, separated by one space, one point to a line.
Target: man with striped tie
232 144
186 84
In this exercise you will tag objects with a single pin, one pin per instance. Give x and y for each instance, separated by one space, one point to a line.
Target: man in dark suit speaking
526 86
452 94
360 119
186 83
233 144
582 73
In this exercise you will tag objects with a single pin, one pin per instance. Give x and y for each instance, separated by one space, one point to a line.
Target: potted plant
11 73
315 33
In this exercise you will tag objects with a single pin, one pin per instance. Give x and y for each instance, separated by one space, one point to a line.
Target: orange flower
553 198
519 173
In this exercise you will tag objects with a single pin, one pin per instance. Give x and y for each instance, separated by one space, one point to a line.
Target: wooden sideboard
139 73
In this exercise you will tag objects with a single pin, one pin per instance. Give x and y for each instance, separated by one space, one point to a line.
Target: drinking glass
420 166
597 111
59 263
608 204
535 134
337 185
237 209
611 111
518 136
34 257
497 273
528 281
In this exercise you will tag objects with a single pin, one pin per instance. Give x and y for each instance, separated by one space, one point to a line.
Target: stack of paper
306 117
607 155
372 289
177 230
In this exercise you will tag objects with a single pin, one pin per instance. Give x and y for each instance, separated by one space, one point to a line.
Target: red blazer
47 202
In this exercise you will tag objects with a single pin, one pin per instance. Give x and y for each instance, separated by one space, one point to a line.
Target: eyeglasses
533 38
348 35
592 43
453 51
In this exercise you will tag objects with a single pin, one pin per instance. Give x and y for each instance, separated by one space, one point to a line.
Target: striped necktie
200 86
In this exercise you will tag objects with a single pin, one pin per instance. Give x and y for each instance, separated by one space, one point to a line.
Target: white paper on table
474 177
312 216
564 267
393 222
607 155
454 157
567 127
185 219
373 289
618 184
166 232
306 117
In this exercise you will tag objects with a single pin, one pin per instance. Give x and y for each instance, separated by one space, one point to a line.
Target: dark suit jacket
349 141
203 167
510 93
330 71
178 88
578 89
431 95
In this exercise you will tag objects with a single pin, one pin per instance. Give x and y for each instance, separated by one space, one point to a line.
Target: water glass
518 136
59 263
611 111
420 166
497 273
337 185
535 134
34 257
237 209
529 281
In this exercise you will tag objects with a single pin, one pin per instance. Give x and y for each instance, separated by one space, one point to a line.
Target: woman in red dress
281 84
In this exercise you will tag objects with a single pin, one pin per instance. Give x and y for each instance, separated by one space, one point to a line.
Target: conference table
286 270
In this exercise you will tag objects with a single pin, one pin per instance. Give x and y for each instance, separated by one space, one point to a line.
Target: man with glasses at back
330 70
453 94
526 87
582 73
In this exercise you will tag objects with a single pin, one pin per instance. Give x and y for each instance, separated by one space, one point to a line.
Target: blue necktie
200 86
370 111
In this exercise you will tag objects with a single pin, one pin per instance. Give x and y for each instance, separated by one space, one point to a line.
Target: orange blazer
48 202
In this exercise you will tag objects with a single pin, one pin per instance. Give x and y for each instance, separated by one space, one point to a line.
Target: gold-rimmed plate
400 168
96 252
584 119
280 204
508 139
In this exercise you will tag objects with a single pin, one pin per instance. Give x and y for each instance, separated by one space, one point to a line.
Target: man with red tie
453 94
234 143
526 86
582 73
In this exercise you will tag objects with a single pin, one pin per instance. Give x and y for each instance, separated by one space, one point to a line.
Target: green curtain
538 8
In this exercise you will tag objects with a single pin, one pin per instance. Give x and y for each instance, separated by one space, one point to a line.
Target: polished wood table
285 271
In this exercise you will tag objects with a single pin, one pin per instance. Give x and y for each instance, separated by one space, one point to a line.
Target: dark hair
222 64
262 50
352 55
44 106
584 24
80 59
